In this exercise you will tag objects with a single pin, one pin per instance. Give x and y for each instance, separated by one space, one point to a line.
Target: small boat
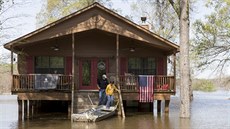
95 114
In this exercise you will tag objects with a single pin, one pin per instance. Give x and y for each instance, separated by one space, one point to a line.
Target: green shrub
203 85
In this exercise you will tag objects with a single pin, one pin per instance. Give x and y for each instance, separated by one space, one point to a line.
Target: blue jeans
109 101
102 97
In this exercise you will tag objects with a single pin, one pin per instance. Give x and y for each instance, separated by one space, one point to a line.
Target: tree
163 22
181 7
160 16
5 5
8 24
6 32
161 19
53 10
212 37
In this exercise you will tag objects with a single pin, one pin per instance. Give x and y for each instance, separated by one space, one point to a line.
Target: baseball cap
104 76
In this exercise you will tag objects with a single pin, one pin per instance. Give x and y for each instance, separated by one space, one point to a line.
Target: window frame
143 67
39 69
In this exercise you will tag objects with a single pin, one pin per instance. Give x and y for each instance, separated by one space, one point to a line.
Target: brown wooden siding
161 65
30 64
68 65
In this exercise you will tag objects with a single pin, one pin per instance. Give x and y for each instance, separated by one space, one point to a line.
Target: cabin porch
30 95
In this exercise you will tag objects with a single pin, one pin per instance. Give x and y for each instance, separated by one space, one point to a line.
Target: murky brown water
209 111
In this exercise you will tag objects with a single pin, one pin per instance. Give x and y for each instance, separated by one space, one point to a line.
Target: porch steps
85 100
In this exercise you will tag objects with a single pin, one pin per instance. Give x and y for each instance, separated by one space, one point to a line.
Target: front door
91 69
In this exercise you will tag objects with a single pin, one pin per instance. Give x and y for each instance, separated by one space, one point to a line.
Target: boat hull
94 114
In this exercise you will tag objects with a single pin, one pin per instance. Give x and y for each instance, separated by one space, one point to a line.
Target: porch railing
28 82
130 83
161 83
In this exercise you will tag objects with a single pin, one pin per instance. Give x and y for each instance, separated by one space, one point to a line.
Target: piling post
19 110
69 110
32 110
23 110
28 109
158 106
167 106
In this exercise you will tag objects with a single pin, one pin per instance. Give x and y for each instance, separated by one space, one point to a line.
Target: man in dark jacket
102 84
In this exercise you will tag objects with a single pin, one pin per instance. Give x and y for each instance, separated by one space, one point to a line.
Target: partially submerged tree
164 19
53 10
212 37
181 7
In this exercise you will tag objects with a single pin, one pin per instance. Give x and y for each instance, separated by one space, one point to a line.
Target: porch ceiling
86 41
94 17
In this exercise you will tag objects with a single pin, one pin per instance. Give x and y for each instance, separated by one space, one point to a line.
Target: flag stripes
146 88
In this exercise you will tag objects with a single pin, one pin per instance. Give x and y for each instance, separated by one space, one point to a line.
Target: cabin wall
162 65
22 63
98 46
68 65
25 64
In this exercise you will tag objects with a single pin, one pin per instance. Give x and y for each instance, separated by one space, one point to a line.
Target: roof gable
95 16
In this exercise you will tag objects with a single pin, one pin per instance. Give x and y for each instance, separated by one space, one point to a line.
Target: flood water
208 111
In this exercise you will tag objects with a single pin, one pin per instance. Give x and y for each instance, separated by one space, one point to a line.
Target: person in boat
110 93
102 84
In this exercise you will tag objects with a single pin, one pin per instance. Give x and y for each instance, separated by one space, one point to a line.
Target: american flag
146 88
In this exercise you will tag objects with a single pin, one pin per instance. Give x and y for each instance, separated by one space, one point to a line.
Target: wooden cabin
59 63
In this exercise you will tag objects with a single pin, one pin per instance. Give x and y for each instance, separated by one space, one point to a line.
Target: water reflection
8 112
209 111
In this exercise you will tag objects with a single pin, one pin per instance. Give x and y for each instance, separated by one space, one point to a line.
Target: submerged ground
208 111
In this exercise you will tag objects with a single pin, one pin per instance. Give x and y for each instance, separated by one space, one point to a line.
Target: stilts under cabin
58 65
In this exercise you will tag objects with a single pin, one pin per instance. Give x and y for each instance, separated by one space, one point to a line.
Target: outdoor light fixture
132 49
55 48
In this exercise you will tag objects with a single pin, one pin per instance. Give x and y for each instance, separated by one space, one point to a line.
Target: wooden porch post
12 67
12 59
174 71
117 75
73 74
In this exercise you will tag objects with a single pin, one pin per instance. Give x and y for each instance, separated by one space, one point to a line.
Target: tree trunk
184 60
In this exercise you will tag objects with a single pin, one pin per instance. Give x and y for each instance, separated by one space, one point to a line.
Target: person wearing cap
110 93
102 84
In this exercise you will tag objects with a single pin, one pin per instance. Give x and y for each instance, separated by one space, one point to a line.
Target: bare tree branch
175 7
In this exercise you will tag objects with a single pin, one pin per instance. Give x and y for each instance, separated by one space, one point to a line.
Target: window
142 66
86 73
46 64
42 62
56 62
